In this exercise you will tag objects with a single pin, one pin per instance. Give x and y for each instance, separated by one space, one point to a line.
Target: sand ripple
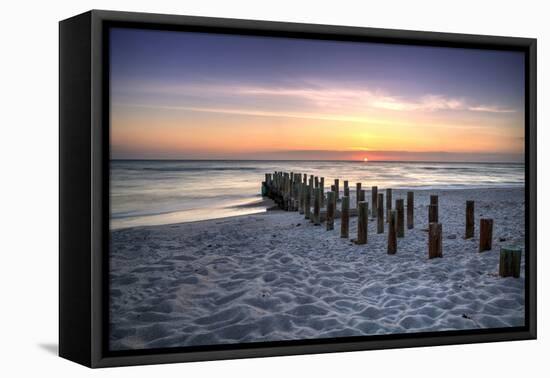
263 278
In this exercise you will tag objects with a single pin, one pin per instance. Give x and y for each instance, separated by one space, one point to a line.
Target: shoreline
270 205
324 161
275 276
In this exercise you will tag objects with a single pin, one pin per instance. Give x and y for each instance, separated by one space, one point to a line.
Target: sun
366 159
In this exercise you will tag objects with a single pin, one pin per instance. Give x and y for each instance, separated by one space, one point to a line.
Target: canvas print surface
275 189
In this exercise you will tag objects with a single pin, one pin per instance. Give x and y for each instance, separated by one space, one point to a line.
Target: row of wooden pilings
306 194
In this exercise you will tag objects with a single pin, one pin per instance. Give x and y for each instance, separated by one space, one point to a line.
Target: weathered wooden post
305 192
274 187
469 220
435 240
296 191
485 234
332 190
337 188
281 190
307 201
330 211
433 216
278 198
293 193
357 190
400 209
317 207
346 188
344 224
410 210
374 200
322 186
392 240
335 204
434 201
301 206
510 262
286 191
361 196
265 186
388 204
362 222
380 215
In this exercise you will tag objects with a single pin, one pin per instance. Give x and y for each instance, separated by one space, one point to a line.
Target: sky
182 95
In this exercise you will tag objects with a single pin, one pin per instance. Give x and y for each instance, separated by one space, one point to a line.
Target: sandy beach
276 276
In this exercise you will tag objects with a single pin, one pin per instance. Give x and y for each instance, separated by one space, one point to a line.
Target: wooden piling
470 219
485 234
302 206
400 209
344 224
510 262
287 198
374 201
380 215
330 211
346 188
433 216
333 190
311 189
298 191
362 195
335 203
307 201
357 191
317 207
434 200
322 186
392 240
295 194
435 240
337 188
410 210
388 204
362 223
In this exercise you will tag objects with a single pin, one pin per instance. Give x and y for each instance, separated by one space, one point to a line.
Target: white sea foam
145 193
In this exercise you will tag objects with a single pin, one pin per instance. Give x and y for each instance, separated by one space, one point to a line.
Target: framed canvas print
233 188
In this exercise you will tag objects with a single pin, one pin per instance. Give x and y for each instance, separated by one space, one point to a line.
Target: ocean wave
449 168
193 169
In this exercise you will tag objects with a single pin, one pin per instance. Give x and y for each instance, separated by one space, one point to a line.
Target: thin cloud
490 109
345 97
260 113
321 98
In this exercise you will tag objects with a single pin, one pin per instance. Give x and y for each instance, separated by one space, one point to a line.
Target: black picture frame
84 187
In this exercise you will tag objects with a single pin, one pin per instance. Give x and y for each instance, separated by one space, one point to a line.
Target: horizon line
325 160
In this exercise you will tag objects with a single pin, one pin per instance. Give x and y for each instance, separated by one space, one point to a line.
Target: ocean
153 192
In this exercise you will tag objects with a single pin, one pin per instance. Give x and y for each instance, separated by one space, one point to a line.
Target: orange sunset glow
246 108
